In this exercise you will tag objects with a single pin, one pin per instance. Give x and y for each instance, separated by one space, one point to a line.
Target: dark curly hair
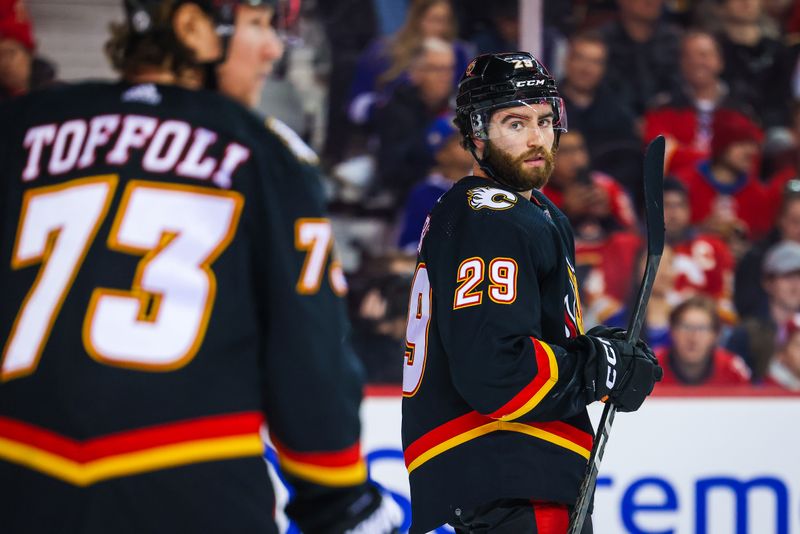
130 52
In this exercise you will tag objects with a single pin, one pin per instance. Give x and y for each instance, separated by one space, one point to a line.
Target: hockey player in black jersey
168 286
498 370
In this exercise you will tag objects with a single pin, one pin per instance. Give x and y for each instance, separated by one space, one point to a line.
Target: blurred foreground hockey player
167 281
498 370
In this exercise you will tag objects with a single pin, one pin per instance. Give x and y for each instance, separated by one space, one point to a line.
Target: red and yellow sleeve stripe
329 468
532 394
131 452
474 425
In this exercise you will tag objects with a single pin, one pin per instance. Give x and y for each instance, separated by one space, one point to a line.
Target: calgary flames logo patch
490 197
470 68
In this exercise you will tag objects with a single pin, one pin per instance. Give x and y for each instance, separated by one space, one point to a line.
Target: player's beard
513 171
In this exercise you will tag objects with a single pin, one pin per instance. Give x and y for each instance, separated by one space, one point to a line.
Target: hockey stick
654 217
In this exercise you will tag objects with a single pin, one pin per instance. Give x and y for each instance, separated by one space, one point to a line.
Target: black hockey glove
385 519
361 509
616 370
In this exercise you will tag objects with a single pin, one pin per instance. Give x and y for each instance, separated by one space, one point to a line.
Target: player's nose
535 136
272 47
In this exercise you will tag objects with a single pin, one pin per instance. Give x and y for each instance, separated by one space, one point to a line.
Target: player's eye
545 122
516 126
261 21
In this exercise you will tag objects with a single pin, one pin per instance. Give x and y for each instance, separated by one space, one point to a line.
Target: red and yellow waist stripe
131 452
330 468
474 425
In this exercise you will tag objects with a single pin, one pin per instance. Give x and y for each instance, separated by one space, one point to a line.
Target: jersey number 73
159 323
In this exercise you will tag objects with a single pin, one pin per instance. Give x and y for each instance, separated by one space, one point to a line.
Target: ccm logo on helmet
530 83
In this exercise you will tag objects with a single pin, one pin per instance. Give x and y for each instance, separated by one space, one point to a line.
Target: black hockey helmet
495 81
141 14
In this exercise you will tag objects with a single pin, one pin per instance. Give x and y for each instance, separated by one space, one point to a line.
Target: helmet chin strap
210 78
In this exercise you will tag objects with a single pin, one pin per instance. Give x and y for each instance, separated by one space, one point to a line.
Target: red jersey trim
474 425
328 468
532 394
83 463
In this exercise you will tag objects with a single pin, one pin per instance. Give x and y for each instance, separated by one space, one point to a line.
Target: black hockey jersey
493 403
167 282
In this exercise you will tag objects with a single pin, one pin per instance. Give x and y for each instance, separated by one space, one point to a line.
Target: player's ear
194 29
479 144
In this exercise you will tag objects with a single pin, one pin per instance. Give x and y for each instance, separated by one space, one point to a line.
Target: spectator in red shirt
685 116
584 193
725 195
784 370
605 263
702 263
20 70
606 241
695 359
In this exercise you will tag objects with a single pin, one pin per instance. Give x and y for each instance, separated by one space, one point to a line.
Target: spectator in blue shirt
452 163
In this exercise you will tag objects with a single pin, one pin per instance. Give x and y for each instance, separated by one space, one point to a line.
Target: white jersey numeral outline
470 275
420 305
502 278
315 237
160 322
57 226
182 237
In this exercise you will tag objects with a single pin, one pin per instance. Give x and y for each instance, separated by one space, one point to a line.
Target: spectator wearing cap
452 163
784 369
725 195
749 296
702 262
786 160
685 116
20 70
694 357
757 337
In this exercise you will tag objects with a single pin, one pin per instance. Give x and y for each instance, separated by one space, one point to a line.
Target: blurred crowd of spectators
720 79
